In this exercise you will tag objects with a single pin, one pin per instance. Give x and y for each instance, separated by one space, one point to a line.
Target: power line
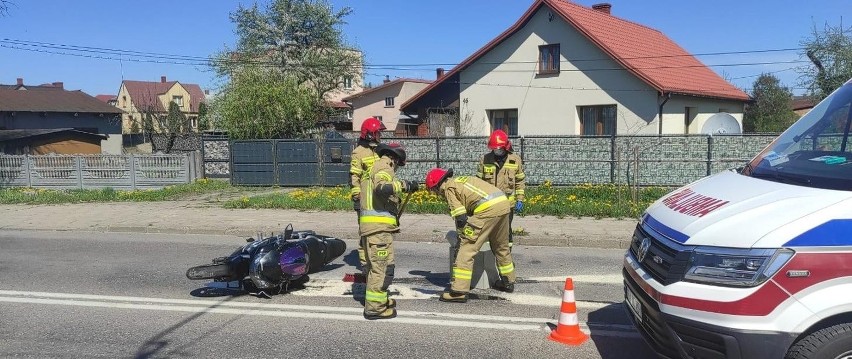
208 61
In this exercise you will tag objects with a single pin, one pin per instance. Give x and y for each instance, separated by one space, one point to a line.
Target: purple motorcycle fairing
294 260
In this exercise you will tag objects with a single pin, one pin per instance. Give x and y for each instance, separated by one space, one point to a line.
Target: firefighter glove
410 187
519 206
461 221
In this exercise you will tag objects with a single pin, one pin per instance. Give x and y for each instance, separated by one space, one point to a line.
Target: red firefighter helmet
436 176
371 129
392 149
499 139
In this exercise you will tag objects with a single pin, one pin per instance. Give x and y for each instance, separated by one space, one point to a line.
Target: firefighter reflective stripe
520 176
512 197
462 273
473 189
458 211
511 166
354 191
520 192
384 175
506 269
373 216
489 201
489 168
373 296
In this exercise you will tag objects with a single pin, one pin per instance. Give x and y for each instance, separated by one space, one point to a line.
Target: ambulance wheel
834 342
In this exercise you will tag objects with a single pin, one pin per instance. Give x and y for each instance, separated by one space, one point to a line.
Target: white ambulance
754 263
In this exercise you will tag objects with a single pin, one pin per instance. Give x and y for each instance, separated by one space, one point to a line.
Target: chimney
20 81
605 8
163 79
439 72
387 79
59 85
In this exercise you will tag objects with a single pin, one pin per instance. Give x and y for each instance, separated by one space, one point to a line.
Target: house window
378 118
506 120
548 59
347 82
178 100
597 120
193 122
388 101
123 101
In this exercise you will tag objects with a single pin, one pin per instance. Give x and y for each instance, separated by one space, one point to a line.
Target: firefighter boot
386 314
453 297
504 285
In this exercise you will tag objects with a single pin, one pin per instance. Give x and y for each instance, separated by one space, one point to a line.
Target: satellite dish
721 123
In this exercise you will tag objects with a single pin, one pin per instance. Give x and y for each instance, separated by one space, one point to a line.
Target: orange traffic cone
568 328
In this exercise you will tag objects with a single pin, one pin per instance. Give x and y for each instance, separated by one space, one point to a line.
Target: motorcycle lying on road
270 265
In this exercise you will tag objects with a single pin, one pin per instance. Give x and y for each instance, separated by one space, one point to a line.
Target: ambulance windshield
816 151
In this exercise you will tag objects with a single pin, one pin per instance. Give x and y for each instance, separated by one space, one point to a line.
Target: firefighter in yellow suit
481 213
381 192
504 169
363 157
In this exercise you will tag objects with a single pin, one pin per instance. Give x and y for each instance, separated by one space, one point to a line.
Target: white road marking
583 278
340 289
294 311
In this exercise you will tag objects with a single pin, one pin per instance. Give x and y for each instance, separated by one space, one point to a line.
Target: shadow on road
351 259
161 345
614 335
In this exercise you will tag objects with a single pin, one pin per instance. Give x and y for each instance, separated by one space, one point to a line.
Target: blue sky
389 32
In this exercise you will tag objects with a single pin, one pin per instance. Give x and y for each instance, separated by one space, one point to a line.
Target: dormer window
178 100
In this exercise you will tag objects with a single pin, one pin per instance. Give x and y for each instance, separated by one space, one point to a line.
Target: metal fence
318 162
667 160
96 171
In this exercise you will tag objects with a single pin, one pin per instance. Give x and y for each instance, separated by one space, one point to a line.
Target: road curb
402 237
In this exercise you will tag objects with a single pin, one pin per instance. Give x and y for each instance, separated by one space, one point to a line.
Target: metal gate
290 162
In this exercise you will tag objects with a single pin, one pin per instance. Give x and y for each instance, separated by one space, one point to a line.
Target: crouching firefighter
380 206
363 157
481 214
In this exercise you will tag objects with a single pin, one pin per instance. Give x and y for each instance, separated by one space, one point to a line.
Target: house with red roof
567 69
140 97
383 102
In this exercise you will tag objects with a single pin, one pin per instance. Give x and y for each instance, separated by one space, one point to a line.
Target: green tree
203 118
258 103
830 52
295 45
770 111
4 7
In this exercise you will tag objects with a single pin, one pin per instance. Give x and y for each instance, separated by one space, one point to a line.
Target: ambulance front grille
665 260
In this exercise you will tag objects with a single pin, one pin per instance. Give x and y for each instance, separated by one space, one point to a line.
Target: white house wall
507 78
674 112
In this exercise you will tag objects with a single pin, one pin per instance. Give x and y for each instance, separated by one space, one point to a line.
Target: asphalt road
79 294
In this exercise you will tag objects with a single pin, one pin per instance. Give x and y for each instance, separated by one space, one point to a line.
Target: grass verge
27 195
610 201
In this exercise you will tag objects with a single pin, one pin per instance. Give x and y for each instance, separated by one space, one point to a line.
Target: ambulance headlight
735 267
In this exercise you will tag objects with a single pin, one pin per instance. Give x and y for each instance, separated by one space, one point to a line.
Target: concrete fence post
29 169
132 167
78 161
